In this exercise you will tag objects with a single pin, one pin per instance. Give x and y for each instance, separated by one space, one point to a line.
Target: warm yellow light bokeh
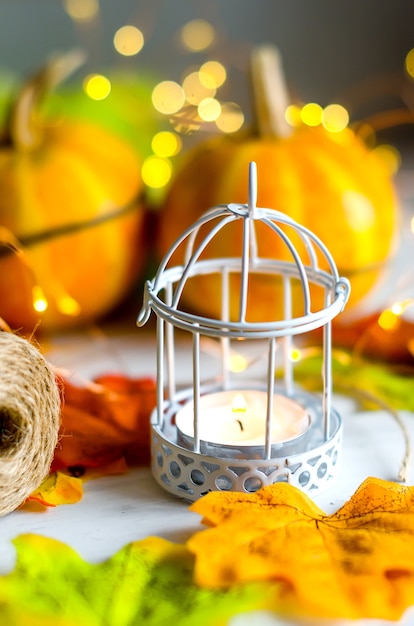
335 118
212 74
128 40
359 210
238 363
231 118
388 320
81 10
97 86
68 306
209 109
293 115
195 91
166 144
197 35
409 63
295 355
39 299
311 114
390 156
156 172
168 97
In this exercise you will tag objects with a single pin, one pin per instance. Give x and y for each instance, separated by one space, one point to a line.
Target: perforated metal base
190 474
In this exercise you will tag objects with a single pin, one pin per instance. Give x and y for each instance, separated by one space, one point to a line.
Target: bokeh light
194 89
293 115
397 308
209 109
388 320
156 172
97 86
166 144
295 355
128 40
335 118
212 74
197 35
168 97
231 118
40 303
68 306
81 10
390 156
359 210
311 114
238 363
409 63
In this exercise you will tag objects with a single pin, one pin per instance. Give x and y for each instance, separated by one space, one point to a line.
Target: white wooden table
119 509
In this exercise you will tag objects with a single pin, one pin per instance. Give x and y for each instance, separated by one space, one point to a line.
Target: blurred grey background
350 51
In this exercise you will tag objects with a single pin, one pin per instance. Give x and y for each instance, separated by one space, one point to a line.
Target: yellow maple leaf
58 488
357 562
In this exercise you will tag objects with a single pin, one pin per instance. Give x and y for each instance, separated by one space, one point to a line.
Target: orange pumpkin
329 182
70 217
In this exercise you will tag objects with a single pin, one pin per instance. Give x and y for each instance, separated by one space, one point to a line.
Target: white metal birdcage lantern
239 431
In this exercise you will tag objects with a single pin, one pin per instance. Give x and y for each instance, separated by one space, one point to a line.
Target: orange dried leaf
358 562
104 421
57 489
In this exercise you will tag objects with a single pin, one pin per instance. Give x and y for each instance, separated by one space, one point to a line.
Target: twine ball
29 419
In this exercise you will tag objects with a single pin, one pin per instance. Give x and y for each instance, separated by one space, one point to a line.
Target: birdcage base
189 474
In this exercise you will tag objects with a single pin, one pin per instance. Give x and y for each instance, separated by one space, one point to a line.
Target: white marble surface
120 509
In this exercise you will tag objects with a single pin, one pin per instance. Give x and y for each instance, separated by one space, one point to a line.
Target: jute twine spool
29 419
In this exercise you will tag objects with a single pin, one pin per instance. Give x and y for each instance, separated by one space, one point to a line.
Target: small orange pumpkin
329 182
70 217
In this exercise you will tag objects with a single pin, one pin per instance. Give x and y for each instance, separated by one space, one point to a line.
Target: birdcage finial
252 188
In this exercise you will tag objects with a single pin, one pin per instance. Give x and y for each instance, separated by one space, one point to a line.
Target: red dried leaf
103 421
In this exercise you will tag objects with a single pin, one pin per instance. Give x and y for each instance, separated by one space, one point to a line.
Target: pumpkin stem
270 92
26 132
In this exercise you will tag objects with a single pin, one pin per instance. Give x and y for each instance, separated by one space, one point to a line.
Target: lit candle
238 418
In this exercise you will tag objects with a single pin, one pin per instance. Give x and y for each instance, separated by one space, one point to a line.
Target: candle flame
239 404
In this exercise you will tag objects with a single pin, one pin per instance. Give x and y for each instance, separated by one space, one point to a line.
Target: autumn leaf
357 562
103 421
148 582
56 489
351 377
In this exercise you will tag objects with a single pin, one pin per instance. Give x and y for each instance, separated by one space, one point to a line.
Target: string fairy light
212 74
39 300
311 114
195 91
192 104
128 40
97 86
81 10
156 171
335 118
64 302
168 97
293 115
197 35
231 118
166 144
209 109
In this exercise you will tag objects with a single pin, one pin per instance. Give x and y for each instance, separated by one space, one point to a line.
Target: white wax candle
238 418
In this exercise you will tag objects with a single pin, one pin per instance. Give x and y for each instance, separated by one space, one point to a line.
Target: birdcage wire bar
178 463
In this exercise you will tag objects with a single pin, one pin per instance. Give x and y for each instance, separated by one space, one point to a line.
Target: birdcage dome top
222 253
